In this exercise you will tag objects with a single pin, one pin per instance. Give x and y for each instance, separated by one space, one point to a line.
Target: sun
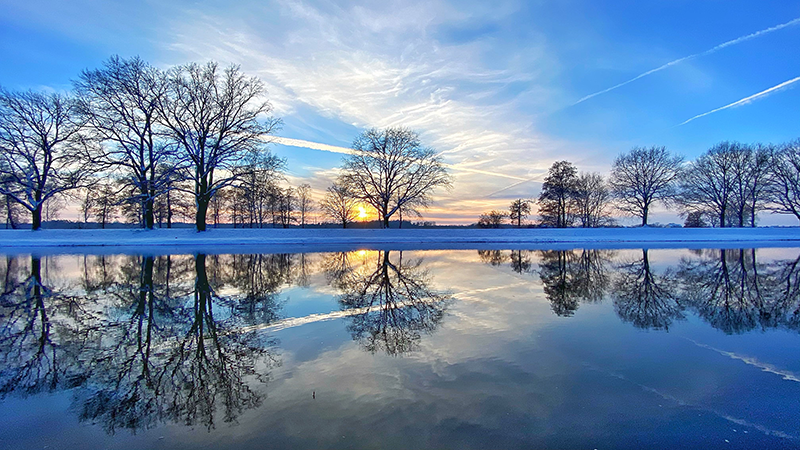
362 213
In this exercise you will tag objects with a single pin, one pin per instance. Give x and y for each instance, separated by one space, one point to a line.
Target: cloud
347 151
696 55
375 65
745 100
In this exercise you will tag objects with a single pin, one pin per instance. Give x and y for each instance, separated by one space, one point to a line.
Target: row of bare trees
195 129
194 134
727 186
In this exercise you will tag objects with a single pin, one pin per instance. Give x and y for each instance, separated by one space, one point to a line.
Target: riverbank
298 240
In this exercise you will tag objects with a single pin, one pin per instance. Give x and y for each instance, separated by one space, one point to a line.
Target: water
413 349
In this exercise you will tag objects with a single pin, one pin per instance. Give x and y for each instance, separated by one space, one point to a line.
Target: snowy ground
305 240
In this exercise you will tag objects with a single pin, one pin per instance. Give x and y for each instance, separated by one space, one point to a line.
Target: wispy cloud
347 151
696 55
745 100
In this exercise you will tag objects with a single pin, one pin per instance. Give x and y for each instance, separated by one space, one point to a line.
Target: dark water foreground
432 349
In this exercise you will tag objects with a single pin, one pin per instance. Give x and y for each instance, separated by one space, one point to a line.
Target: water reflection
644 297
729 289
735 293
138 346
142 341
391 301
572 276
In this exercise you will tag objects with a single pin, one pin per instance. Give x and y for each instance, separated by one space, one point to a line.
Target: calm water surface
413 349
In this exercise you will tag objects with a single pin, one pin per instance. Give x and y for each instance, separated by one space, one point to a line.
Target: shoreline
272 240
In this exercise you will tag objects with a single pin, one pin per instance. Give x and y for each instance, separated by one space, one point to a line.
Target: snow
310 240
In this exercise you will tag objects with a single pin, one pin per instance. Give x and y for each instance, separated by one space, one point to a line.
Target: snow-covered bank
299 240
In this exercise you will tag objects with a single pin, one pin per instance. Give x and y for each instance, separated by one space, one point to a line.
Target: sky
500 89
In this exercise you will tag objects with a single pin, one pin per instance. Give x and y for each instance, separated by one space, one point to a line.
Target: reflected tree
33 320
392 305
725 288
150 342
571 276
492 257
185 360
644 298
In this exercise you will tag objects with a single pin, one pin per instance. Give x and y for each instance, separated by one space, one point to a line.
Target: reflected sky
412 349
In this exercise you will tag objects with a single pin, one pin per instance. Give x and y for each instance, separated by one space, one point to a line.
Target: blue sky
491 85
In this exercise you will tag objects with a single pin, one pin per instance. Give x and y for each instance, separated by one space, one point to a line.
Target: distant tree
287 207
591 199
784 188
10 211
220 204
305 204
339 205
53 207
643 177
86 205
556 206
694 219
390 169
258 190
106 203
120 102
491 219
708 184
213 117
519 210
43 151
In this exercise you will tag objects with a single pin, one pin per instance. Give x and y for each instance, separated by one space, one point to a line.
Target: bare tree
556 206
491 219
10 211
305 204
591 200
339 205
708 184
105 205
258 191
390 169
750 180
286 207
784 190
643 177
213 117
519 210
120 102
43 152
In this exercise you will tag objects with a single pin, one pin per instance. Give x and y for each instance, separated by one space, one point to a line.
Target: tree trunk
10 214
645 212
148 213
169 209
37 218
202 209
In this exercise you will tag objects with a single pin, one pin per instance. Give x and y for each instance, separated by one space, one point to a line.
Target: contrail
696 55
745 100
511 186
348 151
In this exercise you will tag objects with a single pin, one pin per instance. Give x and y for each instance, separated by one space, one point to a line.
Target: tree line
727 186
152 146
